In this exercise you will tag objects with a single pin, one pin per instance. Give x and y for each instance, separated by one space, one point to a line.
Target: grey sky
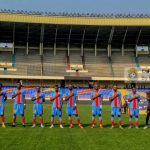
82 6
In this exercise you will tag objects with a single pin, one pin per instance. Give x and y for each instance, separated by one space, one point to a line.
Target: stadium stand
144 60
54 65
75 57
119 63
27 64
5 57
40 44
97 65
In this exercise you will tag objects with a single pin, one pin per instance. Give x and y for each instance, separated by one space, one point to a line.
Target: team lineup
70 97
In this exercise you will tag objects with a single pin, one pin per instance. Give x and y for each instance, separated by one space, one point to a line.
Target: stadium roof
75 18
49 28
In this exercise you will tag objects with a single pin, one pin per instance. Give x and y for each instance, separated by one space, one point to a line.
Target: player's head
1 85
134 90
18 85
70 86
56 88
115 87
38 89
96 87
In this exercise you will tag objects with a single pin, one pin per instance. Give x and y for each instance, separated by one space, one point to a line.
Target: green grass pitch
20 138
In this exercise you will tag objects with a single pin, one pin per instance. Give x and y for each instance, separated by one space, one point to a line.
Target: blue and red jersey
72 100
57 103
38 100
19 99
2 97
97 101
135 102
116 101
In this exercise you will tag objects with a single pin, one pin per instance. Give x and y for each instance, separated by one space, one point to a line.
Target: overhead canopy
21 28
74 20
21 33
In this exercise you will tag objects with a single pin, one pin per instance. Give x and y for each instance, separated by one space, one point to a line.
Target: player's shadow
142 125
47 124
106 125
18 124
126 125
8 124
65 125
86 125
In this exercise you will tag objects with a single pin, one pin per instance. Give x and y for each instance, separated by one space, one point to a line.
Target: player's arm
61 105
63 98
96 96
25 101
68 97
77 99
44 99
5 97
43 96
102 99
111 98
138 97
75 105
132 98
92 97
61 102
35 98
14 95
53 98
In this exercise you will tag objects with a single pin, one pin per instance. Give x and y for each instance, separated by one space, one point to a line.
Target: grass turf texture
88 139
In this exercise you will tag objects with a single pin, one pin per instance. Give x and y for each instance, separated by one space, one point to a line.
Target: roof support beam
41 39
28 30
13 38
122 49
83 41
123 41
69 40
109 41
137 40
97 35
109 50
55 40
139 34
